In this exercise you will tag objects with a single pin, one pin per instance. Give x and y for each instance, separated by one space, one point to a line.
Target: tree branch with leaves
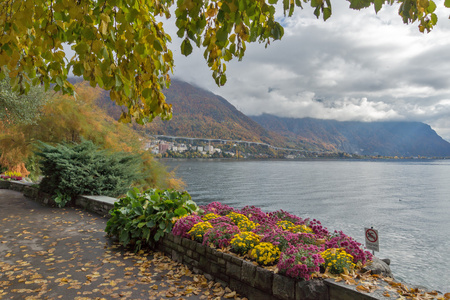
121 46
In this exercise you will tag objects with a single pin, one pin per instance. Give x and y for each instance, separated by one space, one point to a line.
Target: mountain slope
202 114
375 138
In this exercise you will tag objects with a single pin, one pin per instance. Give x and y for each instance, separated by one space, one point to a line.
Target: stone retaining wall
248 279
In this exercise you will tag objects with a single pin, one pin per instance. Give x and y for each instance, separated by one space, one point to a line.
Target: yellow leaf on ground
362 288
230 295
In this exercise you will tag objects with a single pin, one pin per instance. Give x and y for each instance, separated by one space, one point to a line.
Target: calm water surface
407 201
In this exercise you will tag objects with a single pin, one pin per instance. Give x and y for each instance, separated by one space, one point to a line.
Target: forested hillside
366 138
199 113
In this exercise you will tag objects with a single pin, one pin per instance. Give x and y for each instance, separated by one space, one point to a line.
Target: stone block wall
251 280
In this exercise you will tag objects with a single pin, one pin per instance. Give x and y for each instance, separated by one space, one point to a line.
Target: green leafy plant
83 169
143 218
61 199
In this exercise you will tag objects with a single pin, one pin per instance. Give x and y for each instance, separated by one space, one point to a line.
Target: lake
408 202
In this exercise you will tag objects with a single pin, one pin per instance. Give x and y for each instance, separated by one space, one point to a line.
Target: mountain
365 138
201 114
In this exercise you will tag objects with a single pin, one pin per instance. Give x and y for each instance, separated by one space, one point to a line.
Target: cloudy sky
357 65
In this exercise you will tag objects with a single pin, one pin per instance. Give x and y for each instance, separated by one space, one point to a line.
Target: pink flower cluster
281 215
317 227
217 208
220 235
341 240
183 225
300 261
254 214
300 253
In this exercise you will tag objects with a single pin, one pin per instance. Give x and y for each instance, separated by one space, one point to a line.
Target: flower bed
292 246
11 176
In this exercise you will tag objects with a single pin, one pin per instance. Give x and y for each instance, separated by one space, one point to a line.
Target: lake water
407 201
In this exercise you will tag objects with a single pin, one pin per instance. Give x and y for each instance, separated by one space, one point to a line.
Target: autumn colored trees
121 45
70 120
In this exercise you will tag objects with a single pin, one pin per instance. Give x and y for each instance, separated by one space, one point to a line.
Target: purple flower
220 235
217 208
183 225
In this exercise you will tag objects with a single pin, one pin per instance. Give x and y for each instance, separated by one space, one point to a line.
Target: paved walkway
52 253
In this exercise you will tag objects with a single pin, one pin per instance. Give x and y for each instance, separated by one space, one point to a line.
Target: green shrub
142 218
83 169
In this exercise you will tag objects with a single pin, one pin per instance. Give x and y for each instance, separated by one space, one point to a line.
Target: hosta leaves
147 216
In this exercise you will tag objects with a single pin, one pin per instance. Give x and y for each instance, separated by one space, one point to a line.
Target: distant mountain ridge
202 114
364 138
199 113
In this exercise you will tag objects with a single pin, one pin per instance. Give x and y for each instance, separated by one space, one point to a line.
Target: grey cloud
355 66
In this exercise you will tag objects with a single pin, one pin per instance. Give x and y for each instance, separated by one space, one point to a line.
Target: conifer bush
84 169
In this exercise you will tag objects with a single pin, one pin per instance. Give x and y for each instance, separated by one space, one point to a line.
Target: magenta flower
183 225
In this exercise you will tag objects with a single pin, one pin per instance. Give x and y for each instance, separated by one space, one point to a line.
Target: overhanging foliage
121 46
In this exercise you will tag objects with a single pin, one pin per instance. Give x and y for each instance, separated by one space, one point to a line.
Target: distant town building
163 147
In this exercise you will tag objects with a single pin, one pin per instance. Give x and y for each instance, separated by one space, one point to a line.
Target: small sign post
372 240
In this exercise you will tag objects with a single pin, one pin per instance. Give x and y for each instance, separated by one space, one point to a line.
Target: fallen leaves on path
64 254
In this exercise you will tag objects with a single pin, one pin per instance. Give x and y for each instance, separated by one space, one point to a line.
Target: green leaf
186 47
138 210
133 193
81 48
181 211
277 31
378 4
157 45
431 7
326 13
447 3
142 224
434 19
158 234
124 237
359 4
131 16
222 35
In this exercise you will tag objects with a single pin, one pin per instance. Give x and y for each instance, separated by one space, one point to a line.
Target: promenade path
54 253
